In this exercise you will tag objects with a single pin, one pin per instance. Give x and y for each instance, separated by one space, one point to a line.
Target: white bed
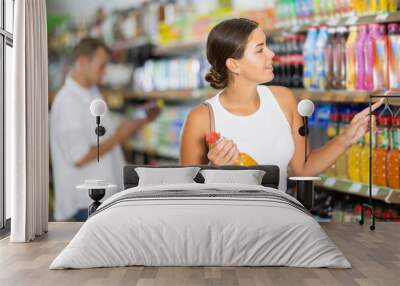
223 224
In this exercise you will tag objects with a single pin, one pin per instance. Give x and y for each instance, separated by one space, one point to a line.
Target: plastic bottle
339 59
383 6
369 54
330 45
309 62
364 161
393 5
380 55
353 160
381 151
374 7
351 75
320 81
332 131
341 162
394 55
244 159
360 57
393 157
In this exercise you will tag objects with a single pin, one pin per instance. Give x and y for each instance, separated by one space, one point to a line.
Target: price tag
355 187
352 20
375 190
330 182
333 21
382 16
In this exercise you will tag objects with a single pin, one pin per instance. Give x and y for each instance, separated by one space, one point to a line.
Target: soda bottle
244 159
351 59
393 158
341 162
329 58
353 160
381 150
309 61
364 163
360 57
319 81
394 55
332 130
339 59
380 67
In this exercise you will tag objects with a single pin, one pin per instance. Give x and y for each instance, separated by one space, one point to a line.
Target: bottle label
382 138
396 138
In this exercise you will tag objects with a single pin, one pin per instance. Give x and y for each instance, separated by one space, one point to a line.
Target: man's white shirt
72 133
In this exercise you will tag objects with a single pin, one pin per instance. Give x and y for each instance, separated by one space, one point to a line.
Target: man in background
73 140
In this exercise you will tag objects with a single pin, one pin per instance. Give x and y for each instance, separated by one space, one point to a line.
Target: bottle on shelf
319 78
353 160
309 61
393 157
244 159
394 55
360 57
381 150
339 59
364 163
332 131
341 162
329 65
350 47
380 68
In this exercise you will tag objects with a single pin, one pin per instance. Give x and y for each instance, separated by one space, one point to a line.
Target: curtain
27 147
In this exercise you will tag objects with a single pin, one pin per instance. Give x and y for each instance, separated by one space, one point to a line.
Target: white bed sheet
200 231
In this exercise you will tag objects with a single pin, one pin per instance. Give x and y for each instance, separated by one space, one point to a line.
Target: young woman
258 120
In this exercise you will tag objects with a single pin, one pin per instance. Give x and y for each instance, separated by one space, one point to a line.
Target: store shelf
177 95
168 152
131 44
335 96
337 21
339 96
391 196
178 49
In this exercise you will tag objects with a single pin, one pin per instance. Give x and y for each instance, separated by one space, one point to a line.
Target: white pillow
166 176
248 177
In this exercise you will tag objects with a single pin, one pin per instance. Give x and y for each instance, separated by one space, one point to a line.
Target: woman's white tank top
265 135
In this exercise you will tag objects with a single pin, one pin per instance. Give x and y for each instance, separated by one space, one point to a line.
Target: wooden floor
375 257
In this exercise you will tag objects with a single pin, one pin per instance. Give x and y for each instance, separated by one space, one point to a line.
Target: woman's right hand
225 152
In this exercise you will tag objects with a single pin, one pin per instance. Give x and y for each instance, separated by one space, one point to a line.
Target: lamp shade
98 107
305 107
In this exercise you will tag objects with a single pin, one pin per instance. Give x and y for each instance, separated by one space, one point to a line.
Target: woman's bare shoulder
286 99
198 118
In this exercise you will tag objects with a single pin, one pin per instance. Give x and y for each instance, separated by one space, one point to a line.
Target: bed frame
270 179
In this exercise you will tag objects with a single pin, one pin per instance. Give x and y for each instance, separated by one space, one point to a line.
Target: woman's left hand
358 125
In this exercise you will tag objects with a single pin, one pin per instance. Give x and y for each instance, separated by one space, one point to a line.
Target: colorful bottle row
365 57
354 164
288 60
171 74
304 11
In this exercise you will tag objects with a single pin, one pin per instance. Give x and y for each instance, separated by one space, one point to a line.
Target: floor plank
375 257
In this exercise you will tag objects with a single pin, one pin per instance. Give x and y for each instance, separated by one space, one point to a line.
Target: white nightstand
97 190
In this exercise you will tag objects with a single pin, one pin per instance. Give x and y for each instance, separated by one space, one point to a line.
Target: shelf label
374 190
352 20
333 21
355 187
329 182
382 16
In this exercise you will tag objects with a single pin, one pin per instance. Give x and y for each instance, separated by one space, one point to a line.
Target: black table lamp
305 185
98 108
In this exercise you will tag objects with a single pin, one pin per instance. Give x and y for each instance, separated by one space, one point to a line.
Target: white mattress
183 231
